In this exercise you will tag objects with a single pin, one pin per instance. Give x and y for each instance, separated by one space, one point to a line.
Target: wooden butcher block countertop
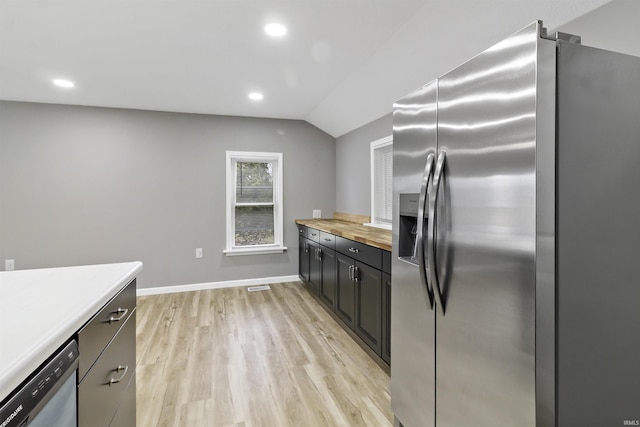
371 236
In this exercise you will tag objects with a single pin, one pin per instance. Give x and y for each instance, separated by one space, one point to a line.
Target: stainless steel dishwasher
48 397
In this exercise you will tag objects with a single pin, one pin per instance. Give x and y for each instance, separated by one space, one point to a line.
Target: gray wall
353 171
84 185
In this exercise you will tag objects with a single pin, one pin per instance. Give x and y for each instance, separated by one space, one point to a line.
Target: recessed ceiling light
256 96
63 83
275 30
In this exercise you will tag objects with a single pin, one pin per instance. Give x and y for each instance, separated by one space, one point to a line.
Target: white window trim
382 142
248 156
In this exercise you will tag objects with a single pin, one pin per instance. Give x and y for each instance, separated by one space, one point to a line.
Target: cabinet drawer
96 334
313 234
302 230
386 261
101 390
360 252
126 413
328 240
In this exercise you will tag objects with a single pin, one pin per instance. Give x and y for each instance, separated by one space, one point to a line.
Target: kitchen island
42 309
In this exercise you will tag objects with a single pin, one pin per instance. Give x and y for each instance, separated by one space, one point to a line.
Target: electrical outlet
9 264
198 252
317 213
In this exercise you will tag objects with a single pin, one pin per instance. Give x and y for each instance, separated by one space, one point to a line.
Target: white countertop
41 309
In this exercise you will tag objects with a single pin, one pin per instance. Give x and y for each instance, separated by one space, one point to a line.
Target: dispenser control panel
407 249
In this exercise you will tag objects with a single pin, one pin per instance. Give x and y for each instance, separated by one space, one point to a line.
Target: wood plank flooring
229 357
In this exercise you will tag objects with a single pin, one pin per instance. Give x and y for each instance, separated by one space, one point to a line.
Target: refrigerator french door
495 322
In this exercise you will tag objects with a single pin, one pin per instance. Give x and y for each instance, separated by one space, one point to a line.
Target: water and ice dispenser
408 228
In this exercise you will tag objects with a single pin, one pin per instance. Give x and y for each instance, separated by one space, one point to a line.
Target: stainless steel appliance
515 297
48 397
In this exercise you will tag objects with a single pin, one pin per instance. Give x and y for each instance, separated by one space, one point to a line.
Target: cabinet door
386 317
328 282
346 290
368 324
314 267
303 259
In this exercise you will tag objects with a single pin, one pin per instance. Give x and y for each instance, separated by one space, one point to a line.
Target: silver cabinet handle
353 273
306 247
354 250
319 254
300 230
314 234
118 369
431 232
327 240
121 311
422 201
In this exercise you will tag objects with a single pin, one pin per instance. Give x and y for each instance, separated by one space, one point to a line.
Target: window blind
383 184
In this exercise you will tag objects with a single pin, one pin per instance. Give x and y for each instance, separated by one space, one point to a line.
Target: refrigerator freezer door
412 319
486 238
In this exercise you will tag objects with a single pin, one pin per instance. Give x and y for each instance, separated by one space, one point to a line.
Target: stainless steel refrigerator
516 235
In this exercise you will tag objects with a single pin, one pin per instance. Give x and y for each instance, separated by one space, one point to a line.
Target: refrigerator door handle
431 232
422 201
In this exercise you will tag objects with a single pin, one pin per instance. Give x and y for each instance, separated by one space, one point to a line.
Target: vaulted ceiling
341 64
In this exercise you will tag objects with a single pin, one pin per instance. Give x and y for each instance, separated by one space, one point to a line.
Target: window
382 182
254 203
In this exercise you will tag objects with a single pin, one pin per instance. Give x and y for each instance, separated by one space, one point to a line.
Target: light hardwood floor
229 357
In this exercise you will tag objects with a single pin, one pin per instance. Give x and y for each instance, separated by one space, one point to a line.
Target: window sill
382 226
255 251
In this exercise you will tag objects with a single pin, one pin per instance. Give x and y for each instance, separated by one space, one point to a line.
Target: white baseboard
215 285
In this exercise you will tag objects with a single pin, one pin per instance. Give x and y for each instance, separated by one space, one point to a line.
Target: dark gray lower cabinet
368 320
126 414
107 366
346 292
353 281
359 302
386 317
100 392
328 283
303 259
315 267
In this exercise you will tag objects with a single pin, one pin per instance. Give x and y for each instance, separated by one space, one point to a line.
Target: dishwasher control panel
27 400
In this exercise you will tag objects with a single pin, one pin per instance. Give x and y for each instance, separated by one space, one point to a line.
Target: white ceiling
341 65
